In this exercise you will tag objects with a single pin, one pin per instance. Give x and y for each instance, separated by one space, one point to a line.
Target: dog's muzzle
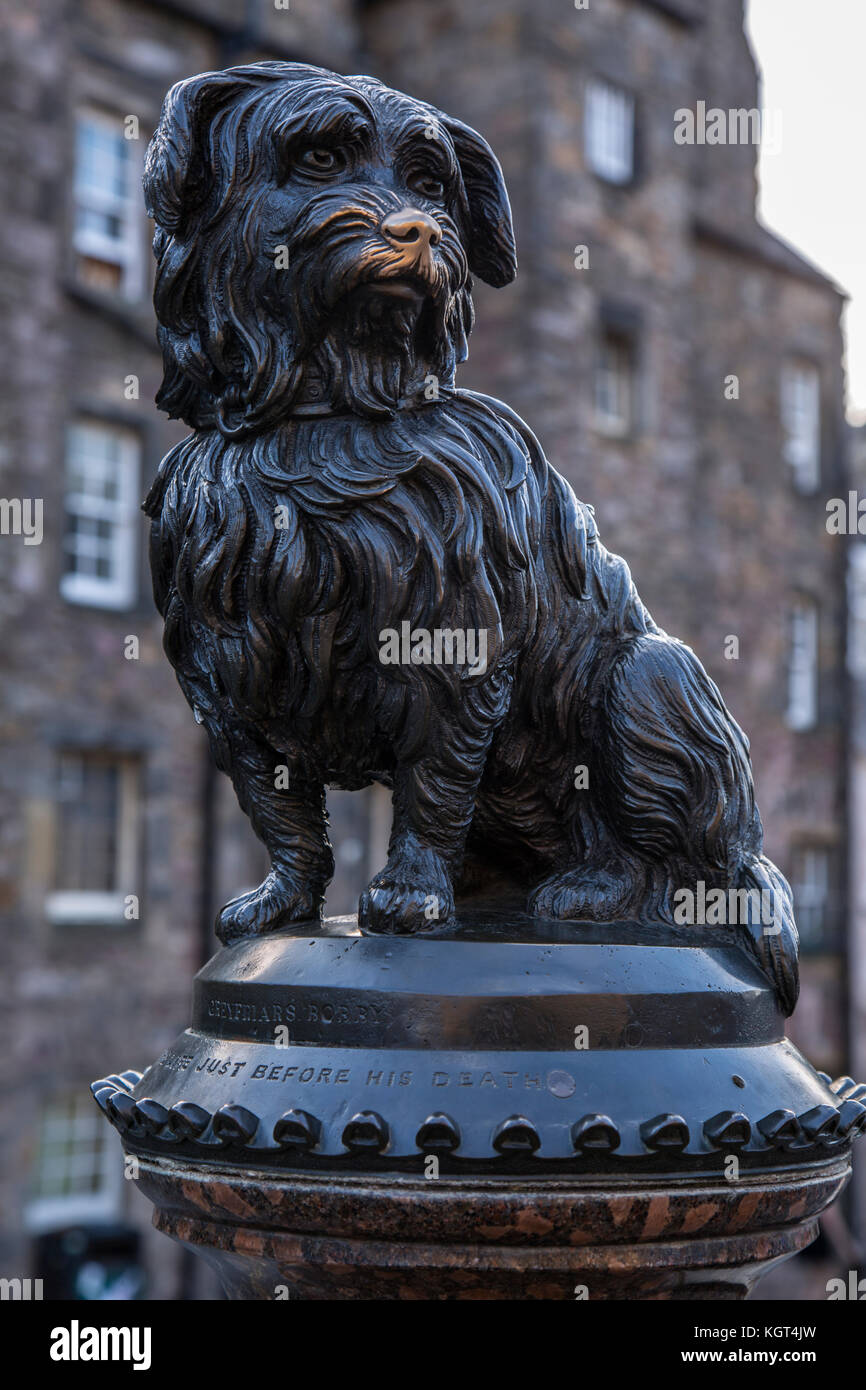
414 234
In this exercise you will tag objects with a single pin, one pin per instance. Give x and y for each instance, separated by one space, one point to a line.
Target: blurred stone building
681 365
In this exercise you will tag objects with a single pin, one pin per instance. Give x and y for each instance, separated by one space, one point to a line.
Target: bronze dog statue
342 512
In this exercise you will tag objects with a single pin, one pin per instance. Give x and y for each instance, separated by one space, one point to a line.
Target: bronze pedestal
509 1108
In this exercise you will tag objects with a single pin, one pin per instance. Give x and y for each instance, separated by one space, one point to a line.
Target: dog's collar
329 410
315 403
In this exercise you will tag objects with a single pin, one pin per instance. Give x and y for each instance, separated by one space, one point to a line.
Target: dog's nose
410 225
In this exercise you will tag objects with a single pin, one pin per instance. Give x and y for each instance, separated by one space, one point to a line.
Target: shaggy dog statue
344 529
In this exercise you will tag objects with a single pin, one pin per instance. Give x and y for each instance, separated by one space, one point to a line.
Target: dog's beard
379 351
365 349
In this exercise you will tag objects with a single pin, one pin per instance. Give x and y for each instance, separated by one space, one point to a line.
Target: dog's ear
176 174
491 250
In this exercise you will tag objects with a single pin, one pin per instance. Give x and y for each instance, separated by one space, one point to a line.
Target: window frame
126 252
801 712
52 1211
806 857
102 907
803 455
119 591
615 425
856 605
601 97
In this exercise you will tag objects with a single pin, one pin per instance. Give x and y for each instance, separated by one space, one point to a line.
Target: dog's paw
584 894
277 902
413 893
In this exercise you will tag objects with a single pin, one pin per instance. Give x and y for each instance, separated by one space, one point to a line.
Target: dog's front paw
277 902
584 894
412 893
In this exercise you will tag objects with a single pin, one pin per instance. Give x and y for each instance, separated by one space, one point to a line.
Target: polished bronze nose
410 225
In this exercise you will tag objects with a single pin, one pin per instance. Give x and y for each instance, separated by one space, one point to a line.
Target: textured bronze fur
315 241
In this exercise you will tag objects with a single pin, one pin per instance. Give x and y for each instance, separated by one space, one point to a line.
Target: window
614 382
609 132
107 227
97 839
857 611
79 1173
803 666
801 422
102 485
811 885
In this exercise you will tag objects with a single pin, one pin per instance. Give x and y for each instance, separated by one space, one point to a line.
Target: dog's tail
769 927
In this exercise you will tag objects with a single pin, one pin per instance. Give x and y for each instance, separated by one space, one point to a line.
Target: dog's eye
322 160
429 185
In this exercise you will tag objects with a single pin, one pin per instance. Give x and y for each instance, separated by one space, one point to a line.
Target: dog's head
315 241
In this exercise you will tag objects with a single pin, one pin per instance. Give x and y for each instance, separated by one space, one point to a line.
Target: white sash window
108 222
609 132
102 515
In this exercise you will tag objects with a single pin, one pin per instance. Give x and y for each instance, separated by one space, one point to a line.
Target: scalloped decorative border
236 1127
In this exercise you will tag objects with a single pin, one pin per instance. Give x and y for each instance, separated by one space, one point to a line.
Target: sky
812 56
